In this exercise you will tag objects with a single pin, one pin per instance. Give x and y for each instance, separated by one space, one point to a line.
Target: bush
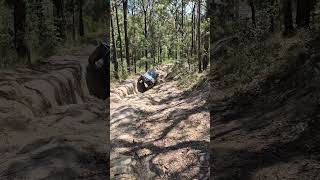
251 57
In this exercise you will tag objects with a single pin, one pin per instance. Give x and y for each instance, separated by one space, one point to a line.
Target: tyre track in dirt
160 134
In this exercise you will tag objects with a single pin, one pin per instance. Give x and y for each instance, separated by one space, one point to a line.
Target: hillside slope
271 129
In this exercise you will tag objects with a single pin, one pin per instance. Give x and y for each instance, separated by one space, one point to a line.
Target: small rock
144 152
126 161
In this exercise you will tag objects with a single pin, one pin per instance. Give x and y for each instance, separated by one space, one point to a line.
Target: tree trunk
192 29
303 13
206 44
73 22
253 12
133 8
152 37
271 16
134 54
60 21
237 10
119 34
176 20
81 26
182 29
182 17
135 64
159 54
146 36
19 14
107 39
199 36
279 16
195 22
211 8
288 22
41 25
125 22
114 53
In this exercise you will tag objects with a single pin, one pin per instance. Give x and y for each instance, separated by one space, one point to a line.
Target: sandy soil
160 134
50 127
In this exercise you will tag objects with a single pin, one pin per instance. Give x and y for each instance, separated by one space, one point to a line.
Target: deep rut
50 127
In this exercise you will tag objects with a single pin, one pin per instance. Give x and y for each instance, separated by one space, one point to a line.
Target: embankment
51 128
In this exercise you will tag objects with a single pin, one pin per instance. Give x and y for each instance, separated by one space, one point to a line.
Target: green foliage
165 32
257 52
42 37
186 78
248 59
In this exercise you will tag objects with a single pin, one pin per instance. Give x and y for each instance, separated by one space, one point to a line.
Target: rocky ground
160 134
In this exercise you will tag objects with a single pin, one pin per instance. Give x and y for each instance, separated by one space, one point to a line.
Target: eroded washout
51 128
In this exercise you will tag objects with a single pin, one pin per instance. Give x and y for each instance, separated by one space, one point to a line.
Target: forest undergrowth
264 104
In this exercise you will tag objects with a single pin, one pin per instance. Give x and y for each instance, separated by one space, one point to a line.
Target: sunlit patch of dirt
164 131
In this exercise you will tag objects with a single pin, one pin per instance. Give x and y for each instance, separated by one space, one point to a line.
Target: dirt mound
271 130
51 128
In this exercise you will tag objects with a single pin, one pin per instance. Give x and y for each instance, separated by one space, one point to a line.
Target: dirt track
50 127
160 134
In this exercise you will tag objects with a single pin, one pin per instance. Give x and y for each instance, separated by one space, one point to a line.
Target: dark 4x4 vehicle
97 75
147 81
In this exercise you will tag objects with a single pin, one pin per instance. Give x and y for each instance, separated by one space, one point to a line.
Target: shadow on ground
164 131
270 131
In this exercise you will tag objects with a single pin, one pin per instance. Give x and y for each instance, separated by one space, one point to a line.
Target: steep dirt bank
160 134
50 127
270 131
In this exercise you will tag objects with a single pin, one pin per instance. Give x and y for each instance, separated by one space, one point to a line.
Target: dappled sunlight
163 130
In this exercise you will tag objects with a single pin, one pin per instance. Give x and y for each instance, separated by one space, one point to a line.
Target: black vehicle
147 81
97 75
